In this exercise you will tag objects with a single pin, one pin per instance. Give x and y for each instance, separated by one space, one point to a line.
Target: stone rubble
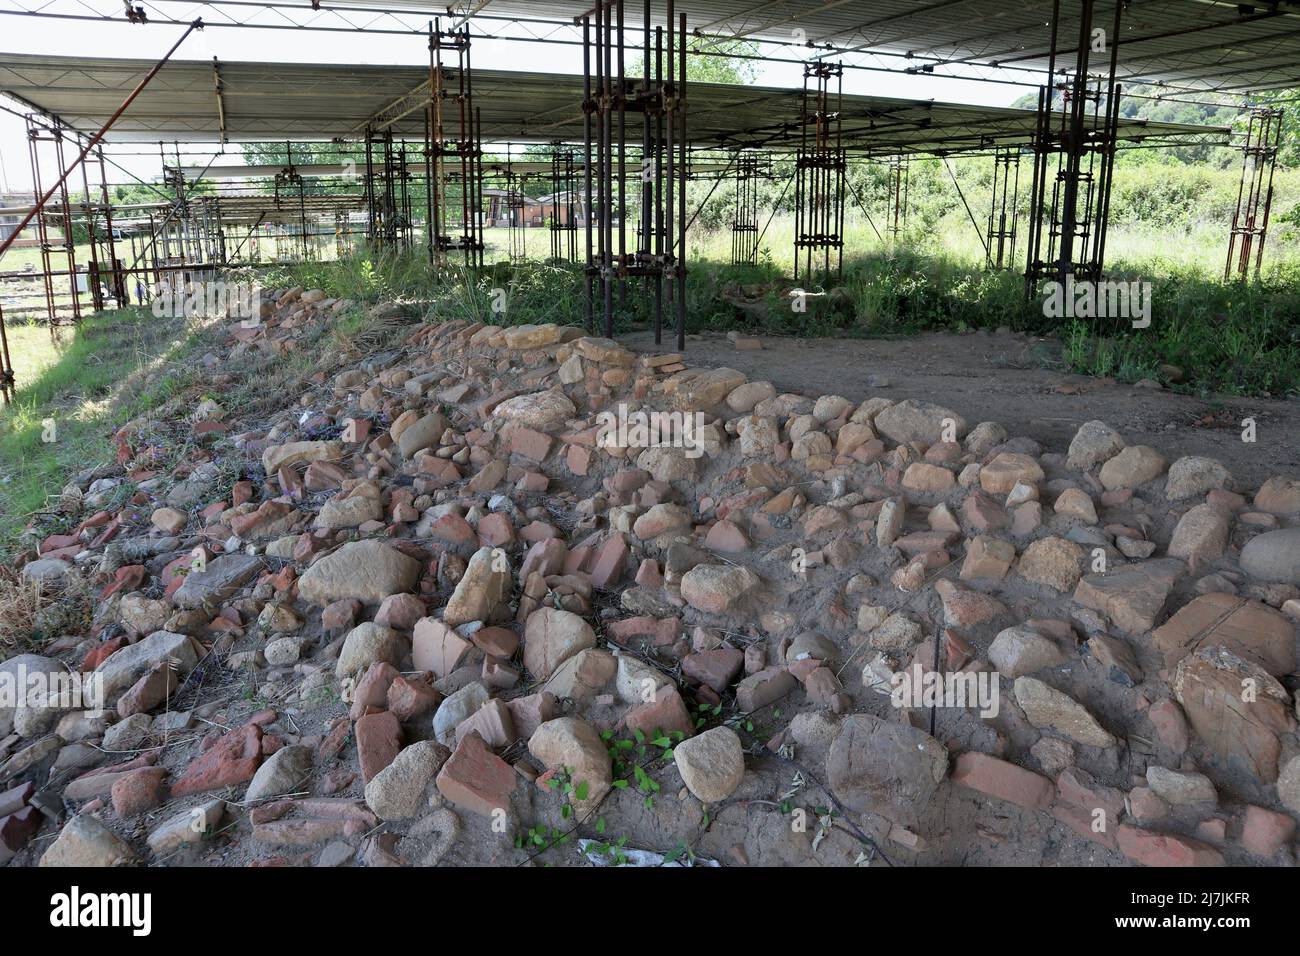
432 613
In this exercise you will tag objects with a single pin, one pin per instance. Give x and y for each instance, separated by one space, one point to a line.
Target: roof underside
278 101
1210 44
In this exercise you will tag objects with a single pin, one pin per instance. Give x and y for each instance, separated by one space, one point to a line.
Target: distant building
537 211
13 206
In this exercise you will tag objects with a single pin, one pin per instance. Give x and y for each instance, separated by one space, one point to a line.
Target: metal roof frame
275 102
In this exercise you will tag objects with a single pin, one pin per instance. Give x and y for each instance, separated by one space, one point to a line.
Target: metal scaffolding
1004 213
563 223
387 190
455 154
629 178
751 168
55 218
820 165
1254 192
1074 156
516 227
659 96
899 189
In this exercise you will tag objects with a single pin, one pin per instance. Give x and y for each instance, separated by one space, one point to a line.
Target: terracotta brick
530 444
17 830
1003 780
495 530
609 563
578 459
493 722
1165 849
233 759
667 712
475 779
379 740
408 699
138 791
1265 832
717 668
436 647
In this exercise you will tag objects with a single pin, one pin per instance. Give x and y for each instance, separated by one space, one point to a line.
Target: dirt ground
1007 378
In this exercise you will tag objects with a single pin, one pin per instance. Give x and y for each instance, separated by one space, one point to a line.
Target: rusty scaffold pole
820 166
659 97
564 190
1254 192
455 154
1003 208
752 168
1074 157
7 377
900 192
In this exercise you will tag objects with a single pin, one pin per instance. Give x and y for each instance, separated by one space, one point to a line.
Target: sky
34 35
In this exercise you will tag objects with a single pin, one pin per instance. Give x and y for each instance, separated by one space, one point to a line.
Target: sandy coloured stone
1052 562
1094 443
86 842
366 570
1134 466
878 766
552 636
712 764
574 747
1131 596
1048 707
1273 556
714 588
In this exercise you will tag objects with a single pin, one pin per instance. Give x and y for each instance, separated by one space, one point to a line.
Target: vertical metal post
1069 210
1254 192
680 108
588 107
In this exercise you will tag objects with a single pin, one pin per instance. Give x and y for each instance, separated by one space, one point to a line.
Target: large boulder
421 434
1279 496
1131 596
573 747
366 644
366 570
220 580
699 389
279 456
712 764
85 842
543 411
1194 475
1134 466
128 664
1273 556
286 771
551 637
37 712
1210 684
714 588
1093 444
398 791
911 420
1046 706
1250 629
878 766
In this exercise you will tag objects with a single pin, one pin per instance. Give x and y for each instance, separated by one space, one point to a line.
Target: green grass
1239 338
71 397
